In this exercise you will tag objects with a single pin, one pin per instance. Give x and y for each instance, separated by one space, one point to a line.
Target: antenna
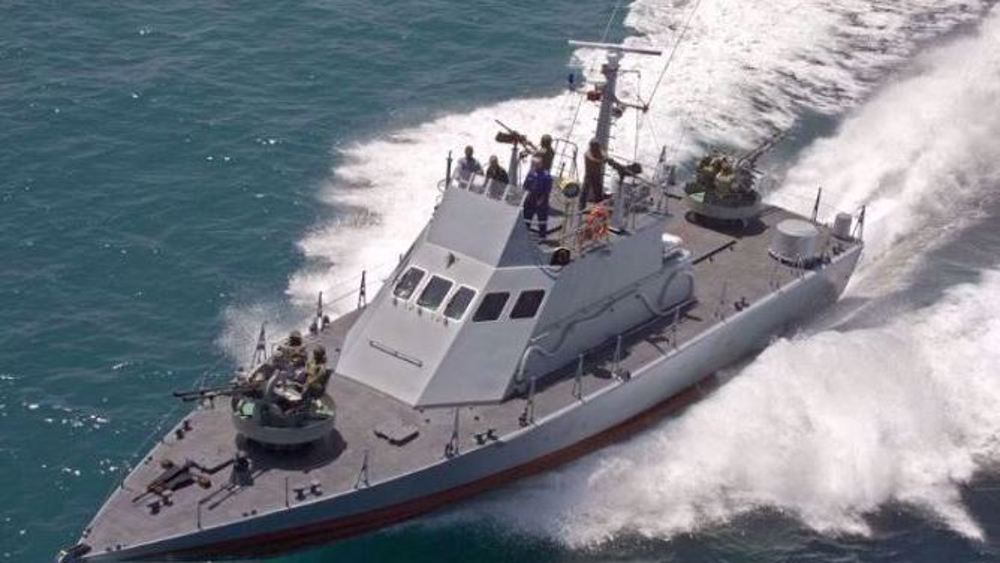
609 103
615 47
260 350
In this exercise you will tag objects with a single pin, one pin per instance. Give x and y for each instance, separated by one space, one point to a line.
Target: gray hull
559 436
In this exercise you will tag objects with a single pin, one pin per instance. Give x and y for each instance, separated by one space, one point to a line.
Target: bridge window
491 307
434 293
459 302
527 304
408 283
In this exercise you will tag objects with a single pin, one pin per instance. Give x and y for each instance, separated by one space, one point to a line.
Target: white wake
828 428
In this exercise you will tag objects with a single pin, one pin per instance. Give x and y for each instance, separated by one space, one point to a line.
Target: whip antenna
673 50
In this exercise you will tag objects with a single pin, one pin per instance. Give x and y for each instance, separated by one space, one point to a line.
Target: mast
609 101
608 98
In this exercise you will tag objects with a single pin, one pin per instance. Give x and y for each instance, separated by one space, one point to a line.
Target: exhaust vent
842 226
795 242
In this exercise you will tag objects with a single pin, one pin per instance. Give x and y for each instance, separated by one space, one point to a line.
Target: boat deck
729 266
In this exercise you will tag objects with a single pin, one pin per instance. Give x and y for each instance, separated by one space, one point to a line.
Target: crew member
538 184
724 178
496 172
547 153
706 173
593 174
293 351
317 375
468 166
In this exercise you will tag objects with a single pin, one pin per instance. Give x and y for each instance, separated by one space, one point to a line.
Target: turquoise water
165 168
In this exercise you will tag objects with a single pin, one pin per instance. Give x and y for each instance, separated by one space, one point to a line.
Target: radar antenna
610 107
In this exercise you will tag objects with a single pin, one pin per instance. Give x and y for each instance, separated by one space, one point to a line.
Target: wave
922 155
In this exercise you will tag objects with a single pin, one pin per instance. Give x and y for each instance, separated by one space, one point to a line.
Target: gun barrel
209 391
755 153
513 136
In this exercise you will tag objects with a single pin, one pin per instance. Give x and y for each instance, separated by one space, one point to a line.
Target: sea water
173 175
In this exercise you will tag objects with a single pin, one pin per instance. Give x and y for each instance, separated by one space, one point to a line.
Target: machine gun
175 477
512 137
748 160
234 388
624 170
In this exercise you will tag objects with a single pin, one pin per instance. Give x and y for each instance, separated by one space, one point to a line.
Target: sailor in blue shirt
538 184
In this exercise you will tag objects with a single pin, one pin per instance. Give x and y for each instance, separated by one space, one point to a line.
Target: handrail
395 353
613 298
666 285
561 146
633 289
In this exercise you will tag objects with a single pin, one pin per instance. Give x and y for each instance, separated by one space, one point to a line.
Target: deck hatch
396 432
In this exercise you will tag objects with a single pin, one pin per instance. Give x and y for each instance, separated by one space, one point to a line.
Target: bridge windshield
434 293
409 282
500 191
459 302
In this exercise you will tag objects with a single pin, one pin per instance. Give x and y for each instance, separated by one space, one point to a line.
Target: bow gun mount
276 406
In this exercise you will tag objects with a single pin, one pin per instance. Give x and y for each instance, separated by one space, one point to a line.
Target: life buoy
595 226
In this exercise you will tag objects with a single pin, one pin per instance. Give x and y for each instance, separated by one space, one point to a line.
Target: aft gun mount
725 185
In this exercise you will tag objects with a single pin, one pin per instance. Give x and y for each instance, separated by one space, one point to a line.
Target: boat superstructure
490 353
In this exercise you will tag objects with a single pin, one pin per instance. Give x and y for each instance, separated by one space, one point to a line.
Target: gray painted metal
662 356
795 241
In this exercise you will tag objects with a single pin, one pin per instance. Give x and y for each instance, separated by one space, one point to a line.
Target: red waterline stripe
324 532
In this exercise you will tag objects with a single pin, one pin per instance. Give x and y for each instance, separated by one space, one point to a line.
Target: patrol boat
492 352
